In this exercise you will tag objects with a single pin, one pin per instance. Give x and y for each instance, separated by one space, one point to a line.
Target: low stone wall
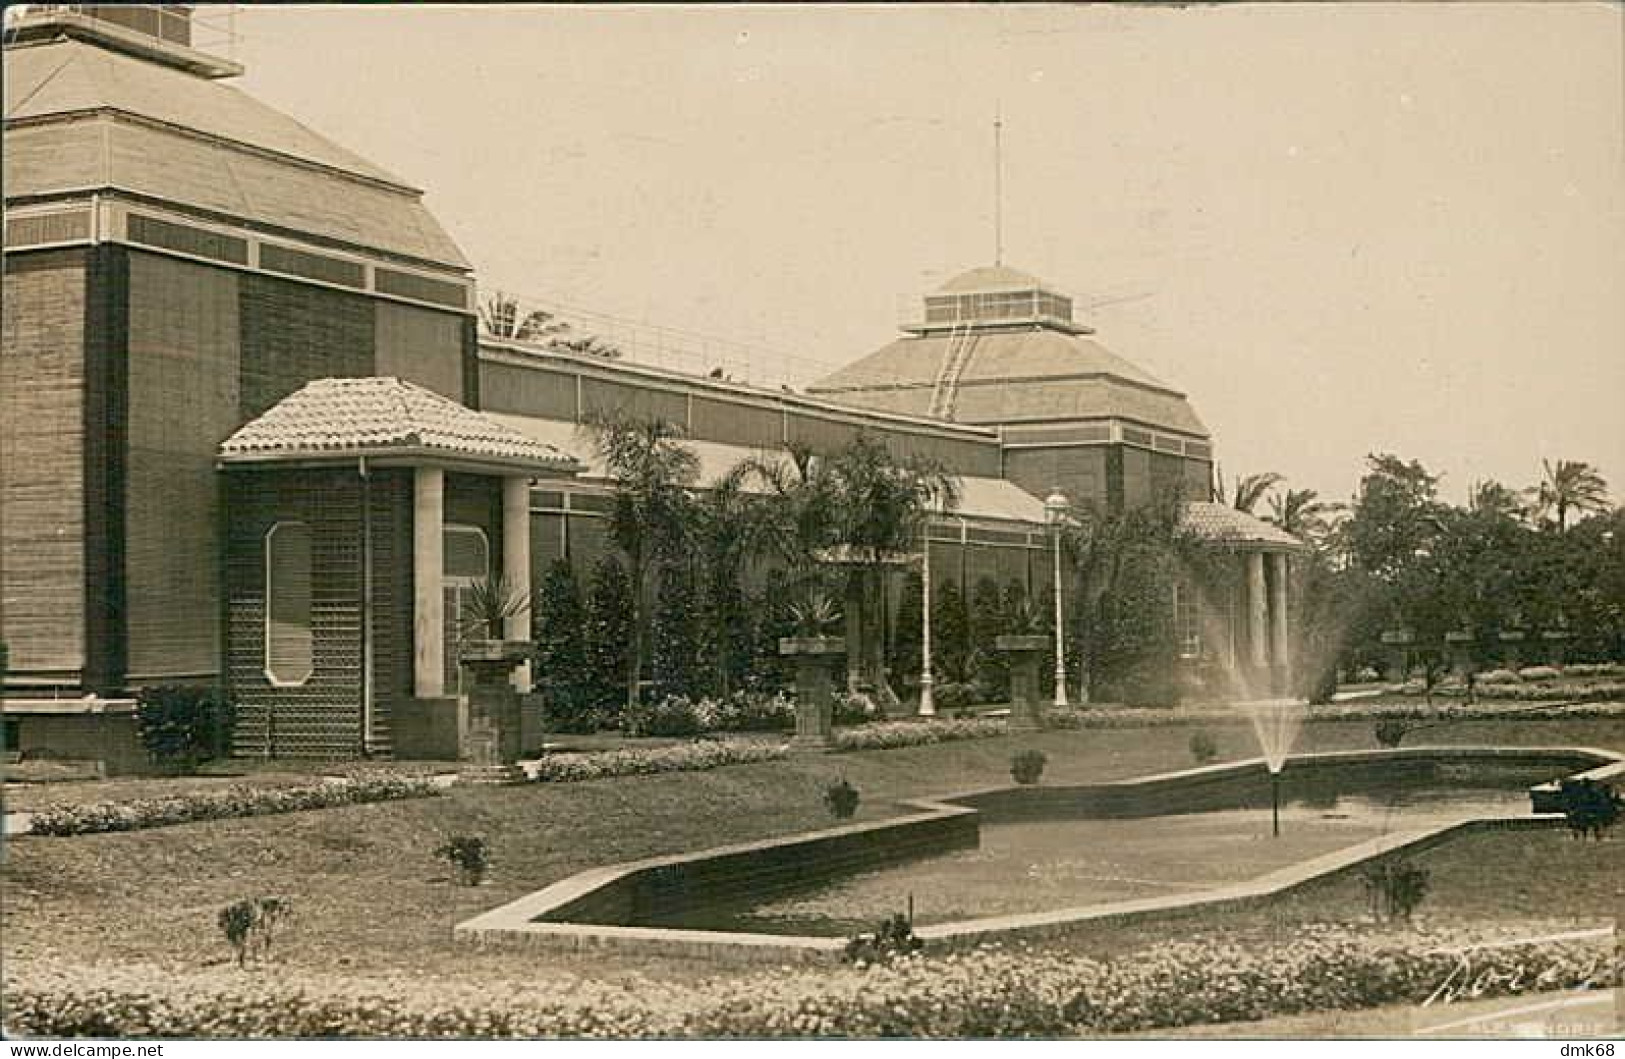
626 904
1240 784
104 733
622 906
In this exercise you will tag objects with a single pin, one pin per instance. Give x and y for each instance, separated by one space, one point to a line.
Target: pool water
1046 865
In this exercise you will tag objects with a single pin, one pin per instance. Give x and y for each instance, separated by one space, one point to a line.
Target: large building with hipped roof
252 435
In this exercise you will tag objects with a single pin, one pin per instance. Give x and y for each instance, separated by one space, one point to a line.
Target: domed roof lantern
996 297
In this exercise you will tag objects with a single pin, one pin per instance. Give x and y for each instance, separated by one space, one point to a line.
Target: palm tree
1303 514
1251 489
1571 485
649 512
1491 498
729 527
499 315
860 508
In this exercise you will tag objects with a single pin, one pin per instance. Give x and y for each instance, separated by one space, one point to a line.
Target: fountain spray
1276 723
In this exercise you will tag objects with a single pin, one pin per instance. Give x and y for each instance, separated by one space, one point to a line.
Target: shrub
685 757
1027 766
673 716
1534 673
855 708
955 695
182 725
249 925
1366 675
469 855
1589 806
220 805
1395 887
891 735
1498 676
841 799
1390 733
1203 749
894 938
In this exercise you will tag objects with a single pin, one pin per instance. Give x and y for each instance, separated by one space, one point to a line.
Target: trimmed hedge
687 757
894 734
985 993
233 802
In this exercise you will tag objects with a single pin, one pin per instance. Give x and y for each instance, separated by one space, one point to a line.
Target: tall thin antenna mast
998 185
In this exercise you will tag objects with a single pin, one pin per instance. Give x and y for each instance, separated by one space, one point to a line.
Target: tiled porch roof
1225 525
332 419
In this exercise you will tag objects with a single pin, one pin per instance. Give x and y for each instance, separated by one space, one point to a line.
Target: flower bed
893 734
743 711
687 757
986 993
220 805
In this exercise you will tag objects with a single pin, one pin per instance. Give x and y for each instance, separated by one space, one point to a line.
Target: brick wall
42 437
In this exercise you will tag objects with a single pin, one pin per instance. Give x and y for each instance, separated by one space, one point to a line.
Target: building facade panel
1078 472
183 401
421 346
42 453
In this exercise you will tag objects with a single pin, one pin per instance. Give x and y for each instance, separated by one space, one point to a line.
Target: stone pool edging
941 824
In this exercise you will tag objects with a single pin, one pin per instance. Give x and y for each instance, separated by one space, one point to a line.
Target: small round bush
841 799
1027 766
469 854
1203 749
1390 733
1498 676
1532 673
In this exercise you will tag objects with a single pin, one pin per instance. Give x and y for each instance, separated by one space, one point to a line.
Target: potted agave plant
816 616
486 609
491 733
1024 643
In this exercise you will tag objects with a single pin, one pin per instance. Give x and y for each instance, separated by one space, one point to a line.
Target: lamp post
928 705
1055 509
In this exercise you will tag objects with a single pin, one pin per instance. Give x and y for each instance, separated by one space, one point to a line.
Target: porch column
1280 653
428 594
516 565
1257 612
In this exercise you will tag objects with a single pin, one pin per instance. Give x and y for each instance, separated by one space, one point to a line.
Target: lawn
369 897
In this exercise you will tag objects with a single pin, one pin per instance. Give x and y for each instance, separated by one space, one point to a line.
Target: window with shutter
289 659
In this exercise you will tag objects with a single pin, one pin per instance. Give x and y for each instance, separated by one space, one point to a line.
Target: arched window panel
467 554
289 655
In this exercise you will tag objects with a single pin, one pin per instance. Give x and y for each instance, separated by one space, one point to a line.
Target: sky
1340 229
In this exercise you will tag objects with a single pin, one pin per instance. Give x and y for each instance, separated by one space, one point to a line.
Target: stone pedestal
1026 696
1512 649
815 698
1459 649
491 739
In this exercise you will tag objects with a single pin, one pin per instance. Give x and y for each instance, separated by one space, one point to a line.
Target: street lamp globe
1056 507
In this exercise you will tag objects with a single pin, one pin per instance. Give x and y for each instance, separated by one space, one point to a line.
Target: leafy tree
1571 485
728 528
649 510
1395 513
1491 498
987 624
951 635
904 660
608 632
560 635
675 656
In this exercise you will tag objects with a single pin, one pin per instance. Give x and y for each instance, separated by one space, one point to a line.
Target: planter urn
815 698
1026 701
490 743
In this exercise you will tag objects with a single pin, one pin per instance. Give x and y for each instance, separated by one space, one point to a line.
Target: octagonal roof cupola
995 296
